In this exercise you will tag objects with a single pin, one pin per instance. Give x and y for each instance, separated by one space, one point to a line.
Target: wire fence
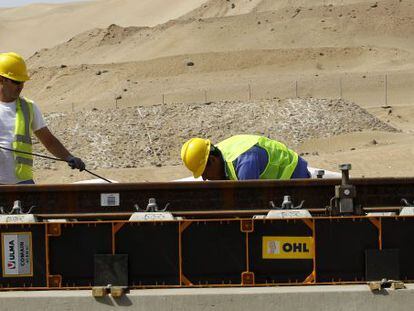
367 90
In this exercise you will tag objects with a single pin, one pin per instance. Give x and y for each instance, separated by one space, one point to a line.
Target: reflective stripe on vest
22 139
281 160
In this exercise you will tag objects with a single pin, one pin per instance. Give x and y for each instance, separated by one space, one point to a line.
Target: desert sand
111 59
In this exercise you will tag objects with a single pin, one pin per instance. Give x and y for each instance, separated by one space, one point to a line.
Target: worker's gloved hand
75 162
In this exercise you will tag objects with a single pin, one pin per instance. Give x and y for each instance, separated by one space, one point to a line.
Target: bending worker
242 157
19 118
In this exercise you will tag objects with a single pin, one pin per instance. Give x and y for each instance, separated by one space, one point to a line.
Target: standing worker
19 118
242 157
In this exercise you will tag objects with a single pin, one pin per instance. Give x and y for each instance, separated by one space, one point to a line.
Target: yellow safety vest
23 139
281 160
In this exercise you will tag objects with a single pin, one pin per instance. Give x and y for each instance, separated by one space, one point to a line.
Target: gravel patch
152 136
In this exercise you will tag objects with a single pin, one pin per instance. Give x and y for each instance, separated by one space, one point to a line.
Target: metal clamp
286 204
407 209
16 209
152 212
343 201
286 210
16 214
320 173
151 207
406 203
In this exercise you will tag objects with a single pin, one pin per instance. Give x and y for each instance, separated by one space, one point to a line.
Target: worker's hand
75 162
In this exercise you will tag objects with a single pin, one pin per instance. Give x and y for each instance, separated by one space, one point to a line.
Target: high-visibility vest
281 160
23 139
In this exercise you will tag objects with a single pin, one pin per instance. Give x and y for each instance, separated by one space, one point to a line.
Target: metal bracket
55 280
286 210
152 206
246 225
16 214
320 173
247 278
343 201
406 203
152 212
16 209
407 209
286 204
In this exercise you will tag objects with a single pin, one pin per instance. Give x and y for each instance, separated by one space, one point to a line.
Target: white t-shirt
7 124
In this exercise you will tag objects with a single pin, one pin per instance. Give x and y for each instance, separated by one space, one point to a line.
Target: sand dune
321 27
45 25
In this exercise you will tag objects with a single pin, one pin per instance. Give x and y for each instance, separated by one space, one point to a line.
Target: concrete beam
294 298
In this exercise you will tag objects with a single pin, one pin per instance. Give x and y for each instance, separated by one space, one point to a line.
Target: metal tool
52 158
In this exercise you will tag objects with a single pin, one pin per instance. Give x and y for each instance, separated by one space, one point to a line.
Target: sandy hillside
239 51
29 28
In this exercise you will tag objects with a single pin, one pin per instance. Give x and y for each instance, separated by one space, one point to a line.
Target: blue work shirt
252 163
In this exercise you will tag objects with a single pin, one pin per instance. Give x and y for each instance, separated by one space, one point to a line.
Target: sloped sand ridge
152 136
387 26
42 25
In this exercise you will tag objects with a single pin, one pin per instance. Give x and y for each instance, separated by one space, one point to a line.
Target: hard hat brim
15 78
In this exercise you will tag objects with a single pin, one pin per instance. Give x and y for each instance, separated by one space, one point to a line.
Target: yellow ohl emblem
283 247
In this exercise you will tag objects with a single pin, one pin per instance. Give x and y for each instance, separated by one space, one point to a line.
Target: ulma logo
11 261
283 247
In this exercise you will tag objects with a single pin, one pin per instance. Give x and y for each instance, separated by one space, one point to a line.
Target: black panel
111 269
382 264
340 248
398 233
278 270
38 260
153 252
214 252
72 253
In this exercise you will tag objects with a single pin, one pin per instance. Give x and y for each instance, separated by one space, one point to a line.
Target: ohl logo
287 247
295 247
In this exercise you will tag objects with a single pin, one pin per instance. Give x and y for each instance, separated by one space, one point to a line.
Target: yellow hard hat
194 154
12 66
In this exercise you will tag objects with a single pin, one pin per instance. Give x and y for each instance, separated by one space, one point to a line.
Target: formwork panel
23 260
153 252
213 252
280 251
340 248
71 254
398 233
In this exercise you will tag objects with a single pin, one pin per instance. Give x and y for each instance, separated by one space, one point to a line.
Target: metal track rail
203 196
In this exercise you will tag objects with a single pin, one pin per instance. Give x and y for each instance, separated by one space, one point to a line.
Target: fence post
250 92
386 89
163 98
296 88
340 88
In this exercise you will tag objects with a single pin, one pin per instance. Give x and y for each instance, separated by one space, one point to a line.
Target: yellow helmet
194 154
12 66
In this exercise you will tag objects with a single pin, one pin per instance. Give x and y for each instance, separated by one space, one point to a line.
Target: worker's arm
52 144
55 147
